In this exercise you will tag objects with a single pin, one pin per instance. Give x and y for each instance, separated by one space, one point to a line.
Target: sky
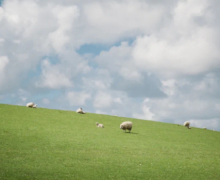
148 59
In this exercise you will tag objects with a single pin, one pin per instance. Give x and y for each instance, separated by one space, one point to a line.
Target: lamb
80 111
126 125
99 125
186 124
31 105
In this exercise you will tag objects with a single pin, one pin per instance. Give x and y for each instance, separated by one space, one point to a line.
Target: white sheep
99 125
31 105
127 125
80 111
186 124
204 128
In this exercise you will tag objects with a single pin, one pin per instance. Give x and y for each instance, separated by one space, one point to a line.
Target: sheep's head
97 123
121 126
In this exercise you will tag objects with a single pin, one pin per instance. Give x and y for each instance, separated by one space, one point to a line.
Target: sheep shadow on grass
131 132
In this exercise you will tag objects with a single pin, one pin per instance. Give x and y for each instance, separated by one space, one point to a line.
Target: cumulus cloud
52 77
145 113
102 100
3 63
162 63
210 124
187 45
77 98
65 17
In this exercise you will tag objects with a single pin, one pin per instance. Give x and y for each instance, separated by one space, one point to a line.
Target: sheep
186 124
80 111
99 125
31 105
126 125
204 128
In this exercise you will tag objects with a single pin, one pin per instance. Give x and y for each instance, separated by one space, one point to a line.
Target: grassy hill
49 144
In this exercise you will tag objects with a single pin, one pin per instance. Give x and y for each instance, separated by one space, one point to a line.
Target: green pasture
48 144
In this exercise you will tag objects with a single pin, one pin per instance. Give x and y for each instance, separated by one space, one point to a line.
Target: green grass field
48 144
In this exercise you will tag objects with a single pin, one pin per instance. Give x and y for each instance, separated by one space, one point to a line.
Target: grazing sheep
31 105
80 111
204 128
186 124
99 125
127 125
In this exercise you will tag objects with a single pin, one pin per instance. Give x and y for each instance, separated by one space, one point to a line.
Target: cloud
77 98
130 74
3 63
184 46
65 17
152 60
52 77
126 77
185 101
207 123
146 113
102 100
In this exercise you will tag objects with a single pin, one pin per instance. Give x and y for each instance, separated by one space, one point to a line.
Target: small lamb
99 125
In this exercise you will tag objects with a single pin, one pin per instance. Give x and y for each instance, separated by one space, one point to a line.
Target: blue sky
140 59
95 49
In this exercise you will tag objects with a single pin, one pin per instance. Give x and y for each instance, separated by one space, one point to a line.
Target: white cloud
52 77
195 54
2 41
146 114
102 100
113 20
169 87
1 13
65 17
99 79
77 98
130 74
184 46
210 124
118 100
165 68
3 63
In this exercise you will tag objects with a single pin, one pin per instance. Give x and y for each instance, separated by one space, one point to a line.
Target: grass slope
49 144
